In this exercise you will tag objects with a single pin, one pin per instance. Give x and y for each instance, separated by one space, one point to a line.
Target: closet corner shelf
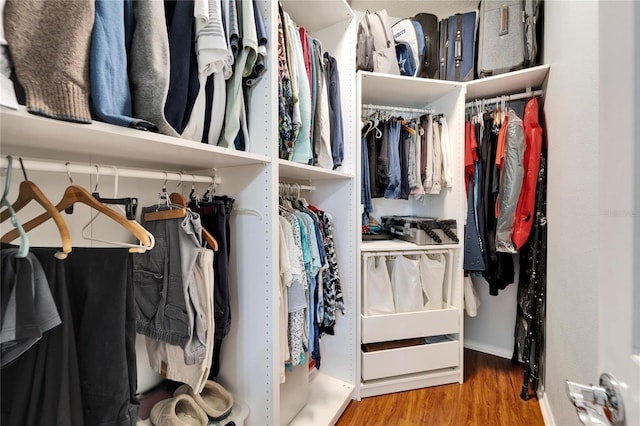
298 171
328 398
504 84
34 136
402 91
401 245
316 15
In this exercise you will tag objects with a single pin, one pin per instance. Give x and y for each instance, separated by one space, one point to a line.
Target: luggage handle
427 48
504 20
458 47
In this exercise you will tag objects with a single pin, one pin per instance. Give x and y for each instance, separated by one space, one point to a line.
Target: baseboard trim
488 349
547 415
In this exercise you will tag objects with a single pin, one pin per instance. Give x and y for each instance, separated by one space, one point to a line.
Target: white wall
491 331
571 111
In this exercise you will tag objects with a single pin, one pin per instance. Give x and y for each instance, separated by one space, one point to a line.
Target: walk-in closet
304 310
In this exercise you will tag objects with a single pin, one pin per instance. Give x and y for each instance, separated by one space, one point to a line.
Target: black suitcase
430 64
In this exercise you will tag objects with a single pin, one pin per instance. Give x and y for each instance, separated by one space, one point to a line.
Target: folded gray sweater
49 43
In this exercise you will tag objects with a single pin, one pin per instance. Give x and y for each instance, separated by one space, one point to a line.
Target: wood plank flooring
490 395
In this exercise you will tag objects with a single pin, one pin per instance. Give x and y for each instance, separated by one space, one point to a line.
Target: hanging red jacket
526 202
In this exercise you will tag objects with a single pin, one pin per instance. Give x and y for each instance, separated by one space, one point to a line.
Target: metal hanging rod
397 109
296 187
47 166
514 97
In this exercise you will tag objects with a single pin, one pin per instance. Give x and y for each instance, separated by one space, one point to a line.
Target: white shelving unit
249 363
425 365
336 192
411 367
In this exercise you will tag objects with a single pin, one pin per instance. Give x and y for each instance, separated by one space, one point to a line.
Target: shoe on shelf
214 399
178 411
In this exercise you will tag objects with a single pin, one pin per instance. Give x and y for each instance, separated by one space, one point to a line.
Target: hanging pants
84 370
214 217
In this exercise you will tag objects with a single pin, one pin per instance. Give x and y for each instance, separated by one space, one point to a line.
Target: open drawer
382 328
409 360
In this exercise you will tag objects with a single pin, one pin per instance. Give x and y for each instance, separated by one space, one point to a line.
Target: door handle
598 405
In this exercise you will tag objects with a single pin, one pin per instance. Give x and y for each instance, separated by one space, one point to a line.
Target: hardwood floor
490 395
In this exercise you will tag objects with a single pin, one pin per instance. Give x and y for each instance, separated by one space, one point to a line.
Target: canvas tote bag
432 271
405 282
379 300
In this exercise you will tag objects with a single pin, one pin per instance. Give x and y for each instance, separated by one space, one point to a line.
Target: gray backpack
376 48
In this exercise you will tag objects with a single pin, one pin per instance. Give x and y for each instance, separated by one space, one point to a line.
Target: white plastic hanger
23 251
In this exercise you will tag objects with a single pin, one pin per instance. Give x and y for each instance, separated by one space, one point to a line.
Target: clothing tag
163 369
7 93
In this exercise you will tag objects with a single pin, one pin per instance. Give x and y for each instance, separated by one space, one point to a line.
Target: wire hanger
193 195
23 251
86 230
210 192
28 192
165 209
77 194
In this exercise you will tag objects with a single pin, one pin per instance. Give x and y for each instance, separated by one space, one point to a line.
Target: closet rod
397 109
47 166
295 186
514 97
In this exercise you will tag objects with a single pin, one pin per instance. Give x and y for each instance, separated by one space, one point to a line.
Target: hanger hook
97 177
164 184
66 165
24 172
179 185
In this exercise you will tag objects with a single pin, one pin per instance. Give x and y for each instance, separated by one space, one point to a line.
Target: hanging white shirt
447 175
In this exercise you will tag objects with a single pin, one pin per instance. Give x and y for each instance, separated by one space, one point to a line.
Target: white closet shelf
405 8
401 245
323 13
298 171
30 135
508 83
328 398
402 91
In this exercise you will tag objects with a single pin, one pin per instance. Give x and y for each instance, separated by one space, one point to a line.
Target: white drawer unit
409 350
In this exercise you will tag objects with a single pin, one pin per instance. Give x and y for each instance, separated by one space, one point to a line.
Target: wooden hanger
177 213
29 191
77 194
